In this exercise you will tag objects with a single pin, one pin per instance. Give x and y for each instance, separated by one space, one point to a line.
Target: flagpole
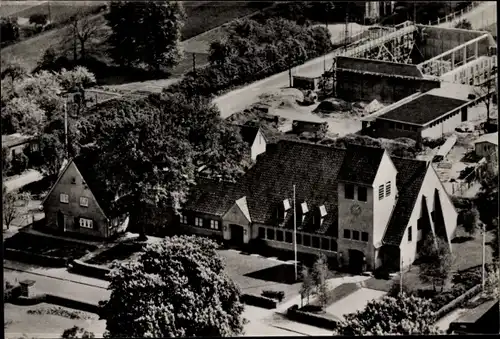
294 233
484 257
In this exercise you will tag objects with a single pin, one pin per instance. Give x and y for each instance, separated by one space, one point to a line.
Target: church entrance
356 261
237 235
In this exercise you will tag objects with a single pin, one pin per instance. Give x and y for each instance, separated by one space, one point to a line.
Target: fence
450 20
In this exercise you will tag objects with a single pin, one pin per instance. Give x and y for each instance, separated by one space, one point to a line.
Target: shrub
433 143
312 308
381 273
259 301
278 295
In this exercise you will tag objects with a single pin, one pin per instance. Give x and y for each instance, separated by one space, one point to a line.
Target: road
239 99
22 180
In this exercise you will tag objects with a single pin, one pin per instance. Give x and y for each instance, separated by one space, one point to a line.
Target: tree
307 285
50 155
436 261
486 200
77 332
38 19
13 69
319 276
175 288
401 315
470 221
22 115
485 91
76 78
9 209
146 32
84 28
464 24
152 147
492 281
9 30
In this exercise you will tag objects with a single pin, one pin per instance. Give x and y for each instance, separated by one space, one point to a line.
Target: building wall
391 130
203 230
259 145
352 86
429 185
72 210
235 216
485 148
448 123
362 223
473 73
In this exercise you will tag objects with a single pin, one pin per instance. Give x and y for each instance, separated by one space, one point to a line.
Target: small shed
486 145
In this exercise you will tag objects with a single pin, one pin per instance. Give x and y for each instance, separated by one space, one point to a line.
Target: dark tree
176 288
84 28
76 332
436 261
38 19
9 30
464 24
470 221
146 32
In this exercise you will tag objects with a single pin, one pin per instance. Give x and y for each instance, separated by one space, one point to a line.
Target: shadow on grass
461 239
283 274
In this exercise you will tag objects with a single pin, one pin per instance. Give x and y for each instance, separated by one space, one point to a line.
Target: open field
18 322
60 10
11 8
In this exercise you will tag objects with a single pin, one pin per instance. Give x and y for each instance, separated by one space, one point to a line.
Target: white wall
430 184
259 145
235 216
451 122
484 149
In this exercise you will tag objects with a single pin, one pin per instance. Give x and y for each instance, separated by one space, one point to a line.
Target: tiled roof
361 164
378 66
423 109
314 170
410 177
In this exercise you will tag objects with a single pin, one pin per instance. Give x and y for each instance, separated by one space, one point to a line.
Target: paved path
22 180
354 302
63 288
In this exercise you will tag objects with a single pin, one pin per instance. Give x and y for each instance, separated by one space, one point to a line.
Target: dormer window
322 214
303 211
285 207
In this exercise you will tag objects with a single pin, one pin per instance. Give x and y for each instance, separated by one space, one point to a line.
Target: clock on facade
355 209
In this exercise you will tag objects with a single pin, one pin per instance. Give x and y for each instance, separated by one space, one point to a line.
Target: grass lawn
60 10
48 246
11 8
36 322
121 251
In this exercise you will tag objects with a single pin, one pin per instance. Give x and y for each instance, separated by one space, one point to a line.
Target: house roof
248 133
490 137
423 109
15 139
361 164
378 66
411 174
314 170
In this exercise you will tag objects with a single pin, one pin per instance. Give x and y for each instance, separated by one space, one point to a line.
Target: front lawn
121 251
40 245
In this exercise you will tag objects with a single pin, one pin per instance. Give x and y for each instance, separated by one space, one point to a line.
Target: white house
255 139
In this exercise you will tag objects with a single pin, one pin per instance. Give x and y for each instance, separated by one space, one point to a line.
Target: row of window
86 223
303 239
200 222
387 190
349 192
64 198
355 235
402 127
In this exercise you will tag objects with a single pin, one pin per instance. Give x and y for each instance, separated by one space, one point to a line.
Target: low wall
32 258
457 302
293 313
56 300
89 270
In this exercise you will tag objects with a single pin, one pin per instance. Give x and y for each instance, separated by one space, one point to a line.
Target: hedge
57 300
318 320
259 301
457 302
277 295
32 258
89 270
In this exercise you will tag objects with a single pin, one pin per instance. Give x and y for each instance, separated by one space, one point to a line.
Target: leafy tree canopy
176 288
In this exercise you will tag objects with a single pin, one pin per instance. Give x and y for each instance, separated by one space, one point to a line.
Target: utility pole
290 76
401 277
295 234
194 62
66 126
484 257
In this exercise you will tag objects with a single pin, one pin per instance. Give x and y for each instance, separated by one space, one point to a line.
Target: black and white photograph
249 168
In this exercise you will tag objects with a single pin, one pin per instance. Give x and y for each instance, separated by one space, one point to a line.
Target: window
86 223
307 240
355 235
381 192
198 222
270 234
64 198
349 191
214 224
347 234
84 201
288 237
262 233
325 243
364 236
409 234
184 219
73 180
315 242
387 188
279 235
362 193
299 238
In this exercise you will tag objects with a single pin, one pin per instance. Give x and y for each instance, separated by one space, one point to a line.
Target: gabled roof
490 137
361 164
378 66
248 133
242 204
411 174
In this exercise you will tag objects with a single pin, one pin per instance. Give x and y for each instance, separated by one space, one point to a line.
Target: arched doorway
356 261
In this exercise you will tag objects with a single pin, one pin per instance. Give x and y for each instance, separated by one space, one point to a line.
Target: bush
381 273
319 320
278 295
312 308
433 143
259 301
18 164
